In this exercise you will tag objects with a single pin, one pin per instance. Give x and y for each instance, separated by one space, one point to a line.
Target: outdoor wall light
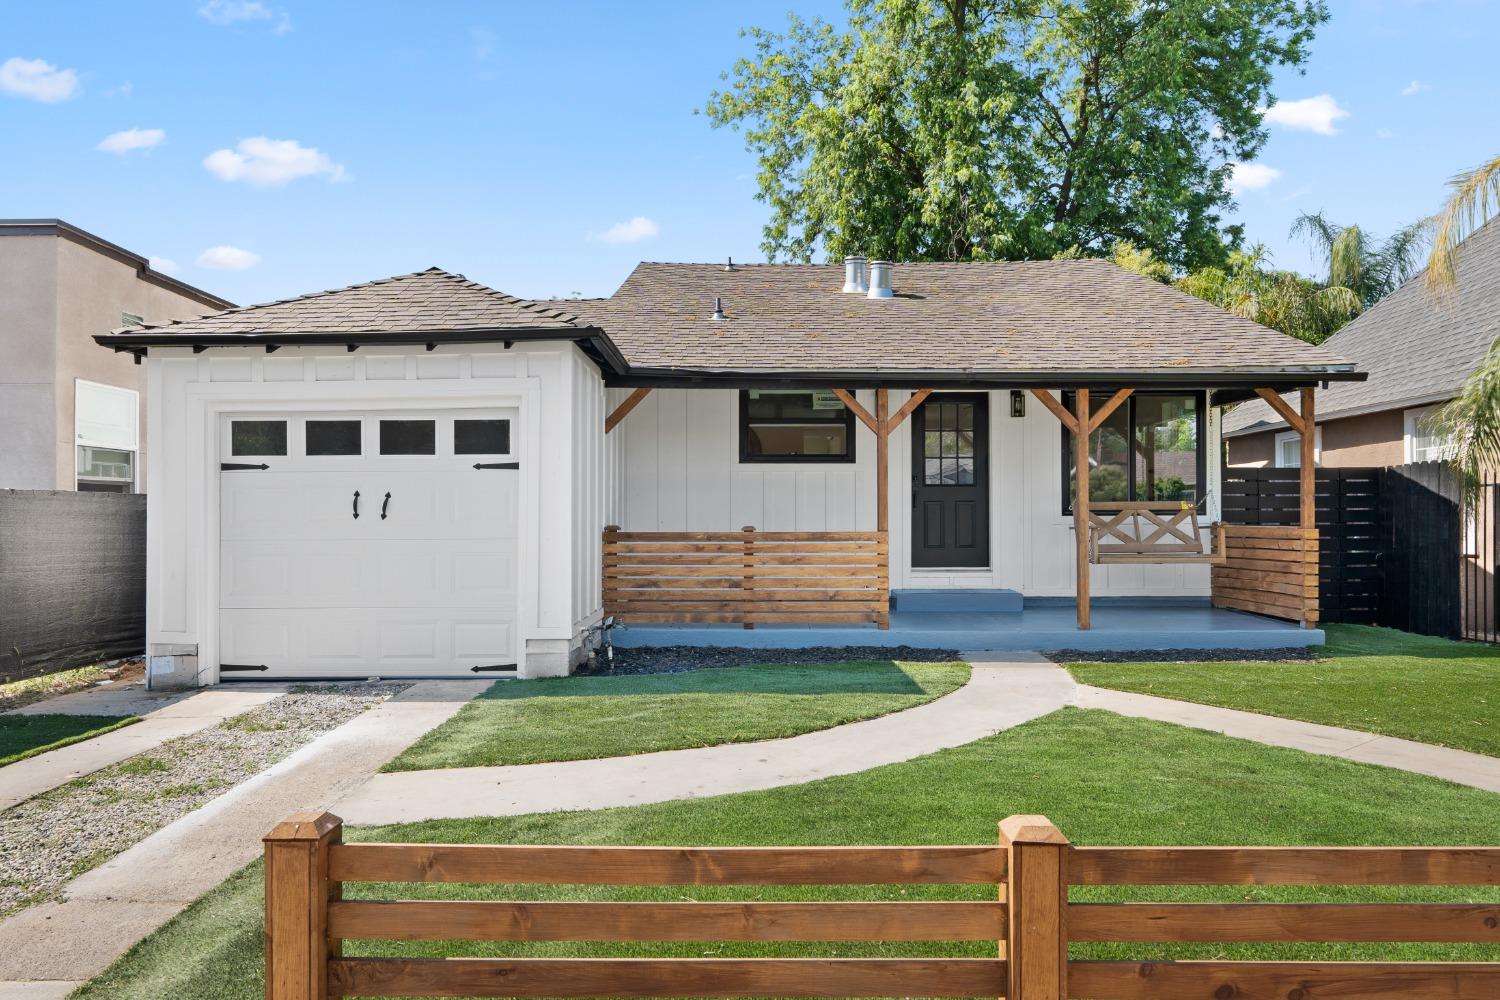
1017 403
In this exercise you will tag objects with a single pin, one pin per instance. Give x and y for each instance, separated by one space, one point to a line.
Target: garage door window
408 437
481 437
257 437
333 437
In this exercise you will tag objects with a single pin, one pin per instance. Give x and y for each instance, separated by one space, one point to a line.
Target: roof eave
1275 378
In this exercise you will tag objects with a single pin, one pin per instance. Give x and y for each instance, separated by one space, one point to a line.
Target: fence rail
1032 921
747 577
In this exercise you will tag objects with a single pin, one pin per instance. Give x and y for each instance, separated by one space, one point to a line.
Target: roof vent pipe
856 276
718 308
880 279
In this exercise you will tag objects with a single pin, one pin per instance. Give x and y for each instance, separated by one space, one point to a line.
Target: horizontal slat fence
747 577
1269 570
1032 921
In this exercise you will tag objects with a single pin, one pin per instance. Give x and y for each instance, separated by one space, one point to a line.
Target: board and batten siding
673 465
559 444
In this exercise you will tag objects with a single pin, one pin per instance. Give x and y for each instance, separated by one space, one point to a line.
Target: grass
14 694
1372 679
1102 778
23 736
577 718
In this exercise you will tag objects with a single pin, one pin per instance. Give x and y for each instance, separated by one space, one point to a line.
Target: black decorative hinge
242 666
497 465
236 466
492 666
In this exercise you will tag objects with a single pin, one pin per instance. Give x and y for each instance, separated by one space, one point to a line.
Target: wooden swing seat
1151 532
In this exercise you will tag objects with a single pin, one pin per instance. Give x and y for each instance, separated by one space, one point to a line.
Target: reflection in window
481 437
948 444
1149 449
257 437
333 437
795 425
105 470
408 437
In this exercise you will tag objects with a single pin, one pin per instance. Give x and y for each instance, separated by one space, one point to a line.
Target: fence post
1036 931
297 893
747 579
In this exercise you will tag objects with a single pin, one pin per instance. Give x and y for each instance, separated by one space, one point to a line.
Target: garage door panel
308 590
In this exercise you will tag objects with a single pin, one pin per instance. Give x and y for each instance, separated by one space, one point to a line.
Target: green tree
1474 195
1281 300
1010 129
1356 260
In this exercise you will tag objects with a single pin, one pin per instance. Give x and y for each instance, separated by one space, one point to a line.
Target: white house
415 476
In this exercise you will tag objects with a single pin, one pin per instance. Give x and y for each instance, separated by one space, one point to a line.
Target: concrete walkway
1002 692
48 950
164 716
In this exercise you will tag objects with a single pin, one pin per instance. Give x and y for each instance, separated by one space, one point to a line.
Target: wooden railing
746 577
1269 570
1032 921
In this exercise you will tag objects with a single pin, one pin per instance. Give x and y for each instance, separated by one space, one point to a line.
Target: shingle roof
1039 316
1417 348
430 301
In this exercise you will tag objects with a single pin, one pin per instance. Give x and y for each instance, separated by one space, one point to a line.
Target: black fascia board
600 347
1169 378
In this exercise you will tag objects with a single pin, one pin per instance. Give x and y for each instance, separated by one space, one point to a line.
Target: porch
1124 623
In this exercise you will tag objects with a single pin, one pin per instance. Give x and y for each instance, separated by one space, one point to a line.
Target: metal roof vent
718 309
880 279
729 263
856 275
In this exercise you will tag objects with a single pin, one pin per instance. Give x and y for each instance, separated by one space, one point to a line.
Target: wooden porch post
1081 504
1309 439
882 460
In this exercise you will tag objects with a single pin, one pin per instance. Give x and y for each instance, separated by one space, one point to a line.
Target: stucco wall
28 317
1371 440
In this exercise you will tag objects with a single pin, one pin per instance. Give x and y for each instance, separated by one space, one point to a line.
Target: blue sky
545 148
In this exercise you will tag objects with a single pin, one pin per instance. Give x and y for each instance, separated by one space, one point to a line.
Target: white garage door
421 583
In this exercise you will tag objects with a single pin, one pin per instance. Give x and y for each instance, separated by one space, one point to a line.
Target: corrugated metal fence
72 579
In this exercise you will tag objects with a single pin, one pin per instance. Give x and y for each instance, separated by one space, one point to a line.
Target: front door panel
950 481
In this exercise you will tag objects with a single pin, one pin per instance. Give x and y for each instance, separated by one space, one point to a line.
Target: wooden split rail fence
747 577
1031 920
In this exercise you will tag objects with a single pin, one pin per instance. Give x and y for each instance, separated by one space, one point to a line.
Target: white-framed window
106 437
1423 442
1289 449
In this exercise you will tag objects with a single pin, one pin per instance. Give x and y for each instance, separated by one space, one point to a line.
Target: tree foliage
1474 195
1356 260
1010 129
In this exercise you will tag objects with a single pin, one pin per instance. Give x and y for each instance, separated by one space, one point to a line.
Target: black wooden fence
1390 548
72 579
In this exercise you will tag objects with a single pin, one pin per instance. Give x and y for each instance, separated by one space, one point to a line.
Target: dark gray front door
950 481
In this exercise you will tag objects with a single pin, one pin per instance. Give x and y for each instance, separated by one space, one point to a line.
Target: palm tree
1370 268
1475 193
1281 300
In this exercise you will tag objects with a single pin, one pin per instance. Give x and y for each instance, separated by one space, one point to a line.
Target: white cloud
37 80
227 259
271 162
1414 88
1252 177
1311 114
227 12
165 265
121 143
630 231
1384 133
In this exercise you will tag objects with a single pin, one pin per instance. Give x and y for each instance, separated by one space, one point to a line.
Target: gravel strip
678 659
1281 654
52 838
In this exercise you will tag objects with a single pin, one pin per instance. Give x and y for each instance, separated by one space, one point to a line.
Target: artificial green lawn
1372 679
1102 778
23 736
577 718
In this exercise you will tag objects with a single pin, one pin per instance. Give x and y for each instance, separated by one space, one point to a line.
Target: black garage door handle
383 505
356 505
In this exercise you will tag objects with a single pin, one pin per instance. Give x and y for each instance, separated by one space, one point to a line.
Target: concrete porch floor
1121 624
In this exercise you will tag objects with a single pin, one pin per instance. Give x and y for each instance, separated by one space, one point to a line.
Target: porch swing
1151 532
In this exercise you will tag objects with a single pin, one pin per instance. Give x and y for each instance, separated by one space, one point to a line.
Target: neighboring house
1418 349
72 413
413 476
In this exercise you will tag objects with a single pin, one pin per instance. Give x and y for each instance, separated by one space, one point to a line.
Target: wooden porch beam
1115 402
1293 420
1081 506
1058 410
917 398
859 411
623 410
